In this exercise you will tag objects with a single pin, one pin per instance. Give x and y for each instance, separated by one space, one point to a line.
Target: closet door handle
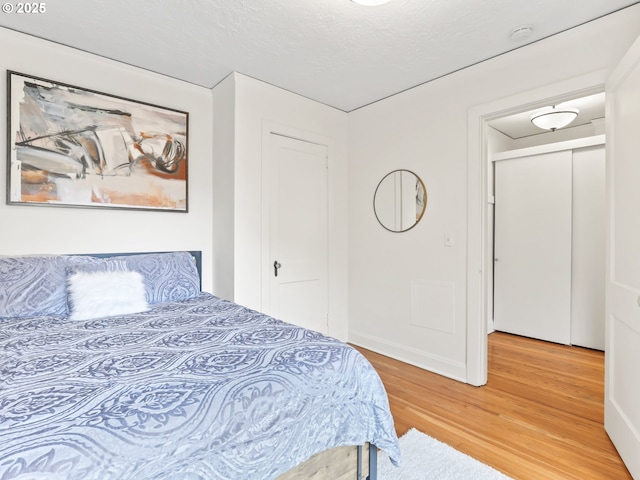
276 266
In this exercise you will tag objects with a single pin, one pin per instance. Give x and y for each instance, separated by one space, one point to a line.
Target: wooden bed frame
341 463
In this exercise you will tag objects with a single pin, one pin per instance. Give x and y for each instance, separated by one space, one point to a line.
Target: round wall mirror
400 200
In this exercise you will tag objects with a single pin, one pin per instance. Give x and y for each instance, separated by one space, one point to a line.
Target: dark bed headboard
196 254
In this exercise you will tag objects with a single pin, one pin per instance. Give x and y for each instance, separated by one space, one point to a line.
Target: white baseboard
410 355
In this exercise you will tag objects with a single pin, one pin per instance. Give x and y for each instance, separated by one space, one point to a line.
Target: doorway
481 142
549 242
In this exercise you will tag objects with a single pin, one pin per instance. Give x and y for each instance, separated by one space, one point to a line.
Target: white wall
425 129
259 107
37 229
222 189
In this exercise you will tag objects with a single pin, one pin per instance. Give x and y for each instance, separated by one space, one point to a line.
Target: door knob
276 266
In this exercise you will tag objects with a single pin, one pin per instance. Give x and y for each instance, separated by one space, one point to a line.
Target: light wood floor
540 416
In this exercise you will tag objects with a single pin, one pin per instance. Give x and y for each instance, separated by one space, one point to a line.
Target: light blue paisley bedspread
200 389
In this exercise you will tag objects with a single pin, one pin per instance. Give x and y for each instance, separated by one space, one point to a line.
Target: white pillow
104 294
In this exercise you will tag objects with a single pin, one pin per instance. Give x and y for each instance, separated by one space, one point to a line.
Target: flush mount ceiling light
370 3
553 118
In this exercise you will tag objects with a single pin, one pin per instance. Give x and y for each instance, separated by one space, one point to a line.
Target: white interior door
298 235
622 358
532 275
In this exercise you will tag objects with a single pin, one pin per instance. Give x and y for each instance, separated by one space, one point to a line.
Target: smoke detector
521 33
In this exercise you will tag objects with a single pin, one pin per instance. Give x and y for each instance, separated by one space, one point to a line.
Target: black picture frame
76 147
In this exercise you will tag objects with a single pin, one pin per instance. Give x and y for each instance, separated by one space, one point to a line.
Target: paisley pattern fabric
31 286
167 276
197 389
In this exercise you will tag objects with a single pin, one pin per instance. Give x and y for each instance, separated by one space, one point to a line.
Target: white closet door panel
532 290
588 261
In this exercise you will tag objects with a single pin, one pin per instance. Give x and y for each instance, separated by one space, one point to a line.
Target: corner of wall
223 187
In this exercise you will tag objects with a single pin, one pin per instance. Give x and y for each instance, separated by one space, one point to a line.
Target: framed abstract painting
70 146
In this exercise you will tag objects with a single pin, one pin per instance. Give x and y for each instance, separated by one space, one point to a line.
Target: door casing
479 223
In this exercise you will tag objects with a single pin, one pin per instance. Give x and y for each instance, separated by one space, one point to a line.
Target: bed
121 368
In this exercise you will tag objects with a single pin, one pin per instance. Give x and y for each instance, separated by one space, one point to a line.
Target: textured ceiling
333 51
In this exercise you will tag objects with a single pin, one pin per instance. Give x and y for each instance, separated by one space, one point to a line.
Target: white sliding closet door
532 289
588 257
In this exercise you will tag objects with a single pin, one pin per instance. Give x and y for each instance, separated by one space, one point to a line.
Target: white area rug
425 458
